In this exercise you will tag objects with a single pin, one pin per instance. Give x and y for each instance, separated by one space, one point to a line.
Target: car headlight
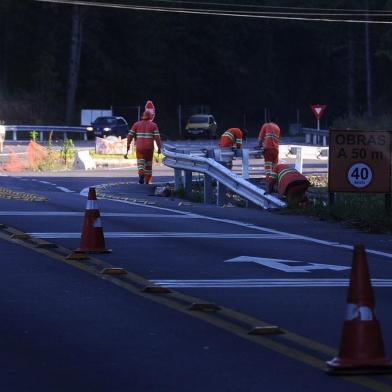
89 128
107 129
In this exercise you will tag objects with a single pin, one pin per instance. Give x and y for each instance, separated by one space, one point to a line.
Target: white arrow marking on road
281 264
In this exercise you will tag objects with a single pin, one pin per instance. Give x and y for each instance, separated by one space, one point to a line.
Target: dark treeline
57 59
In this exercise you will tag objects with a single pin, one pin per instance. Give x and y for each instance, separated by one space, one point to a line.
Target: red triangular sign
318 110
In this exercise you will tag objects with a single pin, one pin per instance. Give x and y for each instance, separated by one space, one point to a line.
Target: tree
74 62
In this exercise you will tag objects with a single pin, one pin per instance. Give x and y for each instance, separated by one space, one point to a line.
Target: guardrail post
14 137
85 137
324 140
245 163
221 194
41 136
314 139
188 184
307 138
299 160
65 135
178 183
207 189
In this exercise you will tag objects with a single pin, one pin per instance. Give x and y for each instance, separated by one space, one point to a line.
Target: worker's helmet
147 115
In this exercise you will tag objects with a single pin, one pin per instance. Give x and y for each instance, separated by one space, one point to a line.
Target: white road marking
266 229
64 189
113 214
261 283
281 264
167 235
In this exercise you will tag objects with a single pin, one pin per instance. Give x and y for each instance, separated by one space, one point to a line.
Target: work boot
141 178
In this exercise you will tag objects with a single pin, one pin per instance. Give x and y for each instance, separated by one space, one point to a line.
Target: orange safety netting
14 163
36 154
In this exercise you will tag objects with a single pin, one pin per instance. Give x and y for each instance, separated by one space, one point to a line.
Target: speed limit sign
360 175
360 161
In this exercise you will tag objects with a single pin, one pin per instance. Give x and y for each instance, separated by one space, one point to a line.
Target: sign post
318 110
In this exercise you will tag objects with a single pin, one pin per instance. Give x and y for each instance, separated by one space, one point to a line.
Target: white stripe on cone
97 222
92 205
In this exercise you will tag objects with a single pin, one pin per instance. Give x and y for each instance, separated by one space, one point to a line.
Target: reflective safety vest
145 132
269 136
231 138
286 176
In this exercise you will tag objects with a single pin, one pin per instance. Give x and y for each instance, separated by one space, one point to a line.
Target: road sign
282 265
318 110
359 161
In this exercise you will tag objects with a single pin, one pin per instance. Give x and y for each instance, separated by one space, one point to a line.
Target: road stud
156 290
204 307
114 271
266 330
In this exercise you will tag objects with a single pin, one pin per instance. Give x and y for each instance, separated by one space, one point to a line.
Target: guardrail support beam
188 184
221 194
207 189
245 163
299 160
178 181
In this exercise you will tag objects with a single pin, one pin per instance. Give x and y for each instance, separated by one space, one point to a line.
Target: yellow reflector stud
204 307
266 330
77 256
114 271
156 290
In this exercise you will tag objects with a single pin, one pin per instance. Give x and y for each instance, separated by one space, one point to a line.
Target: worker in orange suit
145 132
289 182
269 140
231 139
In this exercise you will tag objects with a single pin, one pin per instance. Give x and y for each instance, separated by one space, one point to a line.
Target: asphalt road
68 327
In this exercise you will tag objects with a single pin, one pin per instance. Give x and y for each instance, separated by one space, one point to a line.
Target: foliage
34 135
67 152
237 66
382 122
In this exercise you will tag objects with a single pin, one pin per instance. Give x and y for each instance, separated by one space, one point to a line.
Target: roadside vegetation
366 212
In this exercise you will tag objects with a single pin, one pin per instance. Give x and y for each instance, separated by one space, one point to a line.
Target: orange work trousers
144 163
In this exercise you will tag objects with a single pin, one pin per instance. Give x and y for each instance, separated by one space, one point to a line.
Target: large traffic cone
362 345
92 239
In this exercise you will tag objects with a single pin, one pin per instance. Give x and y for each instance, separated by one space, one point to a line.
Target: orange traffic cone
362 345
92 239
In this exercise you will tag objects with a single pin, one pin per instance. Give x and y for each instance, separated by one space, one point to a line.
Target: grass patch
366 212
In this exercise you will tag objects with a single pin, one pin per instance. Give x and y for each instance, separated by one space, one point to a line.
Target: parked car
201 125
108 126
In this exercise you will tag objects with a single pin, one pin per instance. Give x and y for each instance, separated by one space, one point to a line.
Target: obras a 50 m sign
359 161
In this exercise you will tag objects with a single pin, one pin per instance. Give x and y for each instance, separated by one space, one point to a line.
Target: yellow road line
226 319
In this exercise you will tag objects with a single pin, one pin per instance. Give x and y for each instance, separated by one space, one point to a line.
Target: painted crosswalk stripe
169 235
261 283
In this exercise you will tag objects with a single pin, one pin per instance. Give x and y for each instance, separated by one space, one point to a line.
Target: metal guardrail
315 136
44 129
213 170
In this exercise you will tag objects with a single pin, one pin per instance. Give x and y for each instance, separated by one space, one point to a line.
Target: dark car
108 126
201 125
